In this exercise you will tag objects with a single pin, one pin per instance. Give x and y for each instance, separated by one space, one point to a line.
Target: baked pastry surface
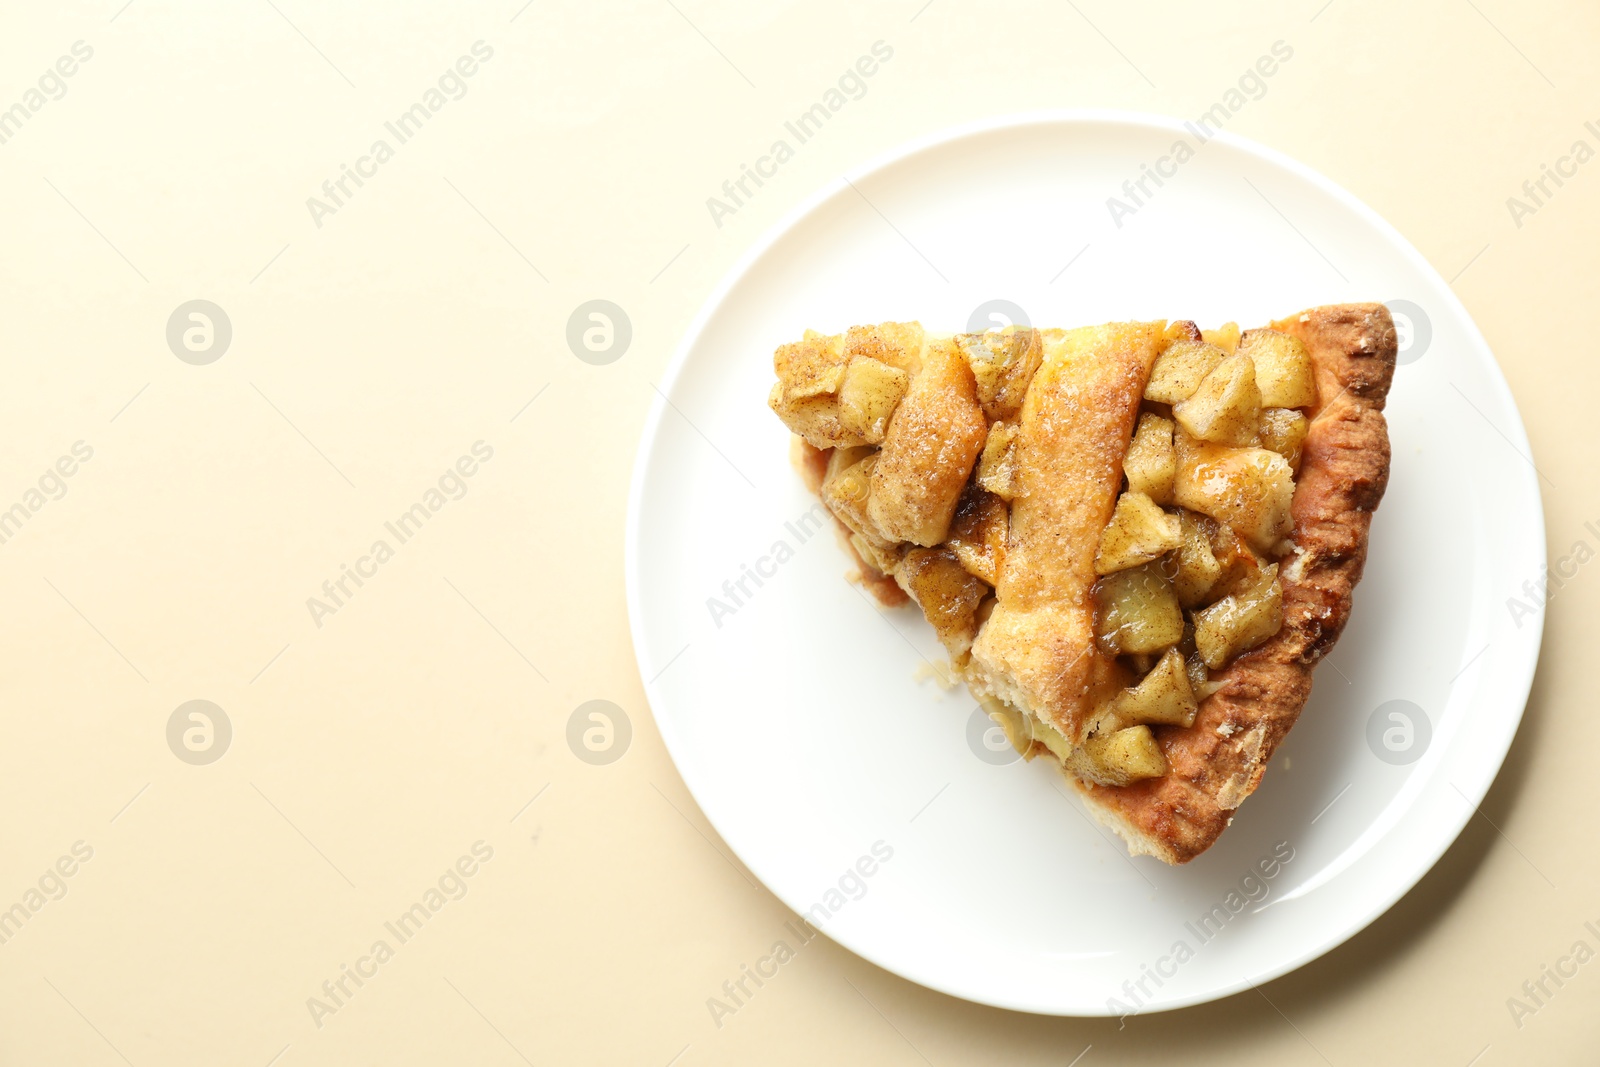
998 481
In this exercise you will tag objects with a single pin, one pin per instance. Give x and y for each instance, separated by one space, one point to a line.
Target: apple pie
1135 541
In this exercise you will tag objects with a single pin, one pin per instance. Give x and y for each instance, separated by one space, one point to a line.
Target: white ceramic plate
794 713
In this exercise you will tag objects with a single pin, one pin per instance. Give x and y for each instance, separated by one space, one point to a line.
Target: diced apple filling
1247 489
1238 623
1283 368
1121 757
978 534
1137 611
1163 696
1179 370
1187 579
1112 753
1225 337
1151 463
840 391
997 468
1284 430
1139 532
868 395
846 485
1197 569
1003 364
947 593
1225 407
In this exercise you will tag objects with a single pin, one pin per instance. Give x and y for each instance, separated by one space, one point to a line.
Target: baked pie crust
1135 540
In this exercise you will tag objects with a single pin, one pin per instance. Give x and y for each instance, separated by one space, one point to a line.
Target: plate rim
1520 685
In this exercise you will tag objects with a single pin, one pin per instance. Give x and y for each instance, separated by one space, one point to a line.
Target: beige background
368 354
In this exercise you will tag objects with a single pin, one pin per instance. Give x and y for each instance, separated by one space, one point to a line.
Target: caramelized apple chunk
846 481
844 492
882 557
1139 531
1180 369
947 594
1237 623
1283 430
1225 407
1151 464
1283 368
815 418
1248 489
1163 696
1052 739
805 395
1241 567
1136 611
997 468
978 533
1225 337
814 366
868 395
1197 569
1003 364
1119 758
899 344
1200 681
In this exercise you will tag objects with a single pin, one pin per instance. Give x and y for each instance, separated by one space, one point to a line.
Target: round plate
803 718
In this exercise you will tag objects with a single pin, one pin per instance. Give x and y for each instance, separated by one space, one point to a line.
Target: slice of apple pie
1135 540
